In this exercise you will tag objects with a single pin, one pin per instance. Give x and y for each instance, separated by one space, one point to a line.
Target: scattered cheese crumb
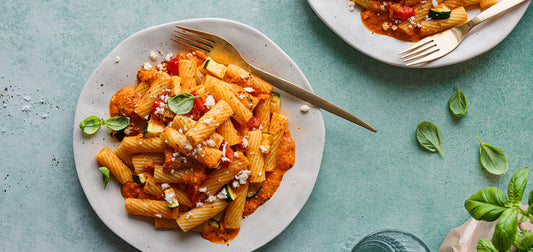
147 66
153 55
304 108
249 89
350 5
209 101
158 216
203 189
117 59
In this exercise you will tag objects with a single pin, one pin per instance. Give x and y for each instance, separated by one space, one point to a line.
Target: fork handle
309 97
495 10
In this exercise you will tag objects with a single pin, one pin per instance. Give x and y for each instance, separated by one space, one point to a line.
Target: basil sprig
92 124
105 175
428 136
492 159
491 204
458 103
181 103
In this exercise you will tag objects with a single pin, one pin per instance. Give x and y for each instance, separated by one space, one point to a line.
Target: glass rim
394 231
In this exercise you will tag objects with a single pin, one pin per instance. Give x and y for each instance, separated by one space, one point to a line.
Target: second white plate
349 27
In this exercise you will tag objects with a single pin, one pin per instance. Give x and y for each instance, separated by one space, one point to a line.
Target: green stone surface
367 182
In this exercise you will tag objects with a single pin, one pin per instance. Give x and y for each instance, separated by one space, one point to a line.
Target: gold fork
440 44
223 51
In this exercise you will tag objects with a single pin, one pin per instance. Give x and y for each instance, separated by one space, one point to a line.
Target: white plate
349 27
270 219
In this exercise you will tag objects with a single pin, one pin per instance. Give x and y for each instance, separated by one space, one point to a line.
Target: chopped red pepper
254 123
227 153
173 66
193 193
400 11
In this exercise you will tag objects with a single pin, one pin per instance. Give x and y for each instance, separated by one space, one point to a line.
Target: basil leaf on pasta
117 123
91 125
181 103
105 175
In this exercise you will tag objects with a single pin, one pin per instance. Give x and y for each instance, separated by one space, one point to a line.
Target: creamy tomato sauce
284 161
380 23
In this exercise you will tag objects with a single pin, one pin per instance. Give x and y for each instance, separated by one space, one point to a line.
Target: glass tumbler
390 241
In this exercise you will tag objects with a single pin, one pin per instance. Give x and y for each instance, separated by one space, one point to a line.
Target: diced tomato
157 104
199 106
402 12
193 193
173 66
228 154
254 123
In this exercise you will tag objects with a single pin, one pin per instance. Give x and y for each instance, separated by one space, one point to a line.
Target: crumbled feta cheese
153 55
242 176
147 66
189 215
236 155
210 143
209 101
223 194
164 186
158 216
211 198
244 143
117 59
434 3
199 204
350 5
235 184
249 89
304 108
208 121
168 57
203 189
262 148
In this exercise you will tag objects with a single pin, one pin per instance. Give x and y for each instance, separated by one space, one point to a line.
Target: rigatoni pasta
199 169
411 20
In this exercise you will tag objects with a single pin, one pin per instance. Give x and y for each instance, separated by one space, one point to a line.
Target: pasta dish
411 20
206 145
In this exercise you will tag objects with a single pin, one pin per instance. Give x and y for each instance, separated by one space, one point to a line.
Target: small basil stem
522 212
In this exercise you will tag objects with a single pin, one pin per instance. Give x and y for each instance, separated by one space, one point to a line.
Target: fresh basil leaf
117 123
517 186
458 103
530 198
524 240
505 231
105 175
522 219
91 125
428 136
487 204
492 159
181 103
484 245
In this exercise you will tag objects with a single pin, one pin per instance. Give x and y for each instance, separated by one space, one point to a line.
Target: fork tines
192 39
419 51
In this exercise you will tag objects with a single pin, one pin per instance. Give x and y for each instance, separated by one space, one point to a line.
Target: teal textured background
368 181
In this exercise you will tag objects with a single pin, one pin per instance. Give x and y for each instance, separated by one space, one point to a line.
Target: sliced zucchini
153 128
217 69
213 222
140 178
440 12
230 195
119 135
275 103
253 189
170 197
